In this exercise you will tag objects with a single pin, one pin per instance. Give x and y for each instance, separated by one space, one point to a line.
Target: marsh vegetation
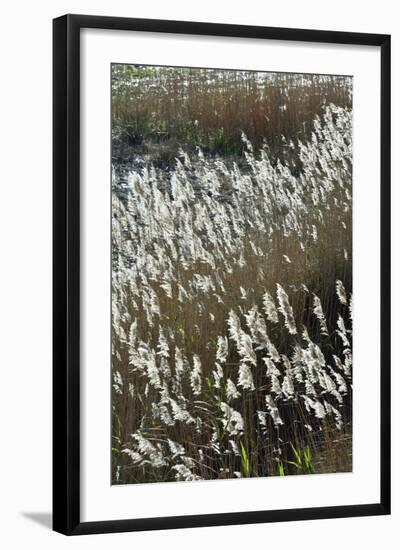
231 274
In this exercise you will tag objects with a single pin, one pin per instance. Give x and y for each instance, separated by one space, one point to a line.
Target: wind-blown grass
232 316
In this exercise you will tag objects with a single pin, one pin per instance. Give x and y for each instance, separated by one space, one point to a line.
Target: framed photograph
221 274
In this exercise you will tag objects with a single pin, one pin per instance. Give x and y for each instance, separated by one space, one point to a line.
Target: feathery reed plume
286 309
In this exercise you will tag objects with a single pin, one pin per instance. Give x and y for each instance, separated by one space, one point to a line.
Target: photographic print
231 274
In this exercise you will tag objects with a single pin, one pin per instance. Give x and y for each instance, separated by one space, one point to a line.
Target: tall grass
160 108
231 313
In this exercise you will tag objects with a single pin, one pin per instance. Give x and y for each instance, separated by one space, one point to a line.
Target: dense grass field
232 277
156 110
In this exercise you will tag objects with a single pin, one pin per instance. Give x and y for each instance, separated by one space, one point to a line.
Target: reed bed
156 109
232 312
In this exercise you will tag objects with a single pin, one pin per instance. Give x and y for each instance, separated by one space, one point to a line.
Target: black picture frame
66 273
